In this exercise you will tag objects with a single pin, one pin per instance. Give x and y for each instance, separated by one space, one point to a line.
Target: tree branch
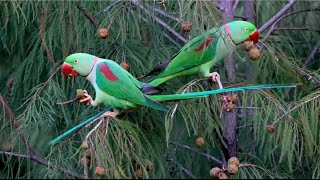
166 15
16 126
290 14
277 16
87 14
197 151
45 163
159 21
182 168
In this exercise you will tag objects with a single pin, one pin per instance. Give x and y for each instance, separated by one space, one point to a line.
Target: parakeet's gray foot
216 78
109 114
87 100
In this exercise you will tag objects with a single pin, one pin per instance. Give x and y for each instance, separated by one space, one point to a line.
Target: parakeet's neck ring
94 63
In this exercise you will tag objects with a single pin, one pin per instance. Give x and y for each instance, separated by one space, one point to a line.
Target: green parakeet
200 54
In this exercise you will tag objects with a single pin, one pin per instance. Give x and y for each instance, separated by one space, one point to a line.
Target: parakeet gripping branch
201 53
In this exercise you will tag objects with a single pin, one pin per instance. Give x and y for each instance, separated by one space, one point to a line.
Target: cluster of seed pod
99 171
233 165
138 170
229 101
254 52
87 158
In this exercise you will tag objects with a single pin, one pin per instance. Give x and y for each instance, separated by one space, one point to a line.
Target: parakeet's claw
109 114
87 100
216 78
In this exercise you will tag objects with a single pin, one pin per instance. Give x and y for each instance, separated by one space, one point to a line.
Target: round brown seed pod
100 171
254 53
234 160
186 26
139 173
214 172
200 142
125 65
232 169
248 45
103 32
85 145
271 128
223 175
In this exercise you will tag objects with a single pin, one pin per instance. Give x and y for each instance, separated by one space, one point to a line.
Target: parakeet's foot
216 78
109 114
87 100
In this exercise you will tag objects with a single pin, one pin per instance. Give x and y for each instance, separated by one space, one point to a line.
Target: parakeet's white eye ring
75 61
246 29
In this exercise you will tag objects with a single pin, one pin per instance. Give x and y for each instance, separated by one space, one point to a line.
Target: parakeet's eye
75 61
246 29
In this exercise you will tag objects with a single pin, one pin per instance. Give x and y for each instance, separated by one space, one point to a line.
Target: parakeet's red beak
68 70
254 36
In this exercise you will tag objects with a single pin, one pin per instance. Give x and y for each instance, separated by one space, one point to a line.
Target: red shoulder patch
205 44
107 72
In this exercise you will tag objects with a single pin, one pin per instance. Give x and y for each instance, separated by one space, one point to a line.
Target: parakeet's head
240 31
78 64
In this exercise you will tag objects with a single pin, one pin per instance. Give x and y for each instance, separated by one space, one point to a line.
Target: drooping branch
45 163
277 16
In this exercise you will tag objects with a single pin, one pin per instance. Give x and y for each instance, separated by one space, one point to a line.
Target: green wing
114 80
199 50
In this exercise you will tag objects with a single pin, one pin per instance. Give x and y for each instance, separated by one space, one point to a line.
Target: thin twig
301 104
172 41
197 151
45 163
109 7
277 16
291 28
69 101
166 15
159 21
313 53
290 14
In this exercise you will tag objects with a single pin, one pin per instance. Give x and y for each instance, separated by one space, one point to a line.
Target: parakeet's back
198 51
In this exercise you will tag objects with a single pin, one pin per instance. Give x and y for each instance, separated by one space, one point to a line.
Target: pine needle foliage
36 36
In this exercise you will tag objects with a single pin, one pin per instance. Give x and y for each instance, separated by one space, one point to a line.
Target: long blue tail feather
72 130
